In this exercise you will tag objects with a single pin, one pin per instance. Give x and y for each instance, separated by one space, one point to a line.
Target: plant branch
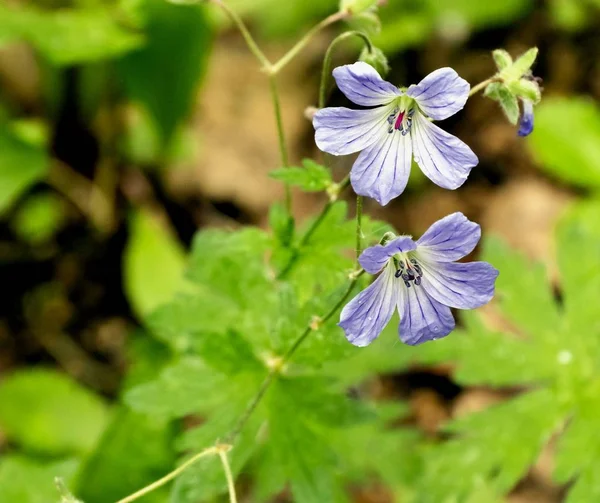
359 203
281 136
250 42
171 475
303 42
326 71
482 85
228 475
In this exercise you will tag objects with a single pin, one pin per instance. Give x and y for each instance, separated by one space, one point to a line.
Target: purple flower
526 121
422 280
398 127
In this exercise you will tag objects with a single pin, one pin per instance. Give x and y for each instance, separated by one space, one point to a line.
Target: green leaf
185 387
28 480
134 451
578 259
154 263
68 36
229 353
497 445
21 165
573 157
281 223
312 177
164 75
46 411
291 433
523 290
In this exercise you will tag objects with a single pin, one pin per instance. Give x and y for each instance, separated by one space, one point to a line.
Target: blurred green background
127 125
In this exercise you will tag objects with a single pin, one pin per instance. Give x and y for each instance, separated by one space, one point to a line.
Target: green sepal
521 66
502 59
527 89
508 101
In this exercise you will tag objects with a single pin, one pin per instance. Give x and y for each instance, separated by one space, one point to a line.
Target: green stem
171 475
250 42
303 42
326 72
281 135
359 204
228 476
482 85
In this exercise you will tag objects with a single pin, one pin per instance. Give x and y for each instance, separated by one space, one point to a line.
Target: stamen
410 271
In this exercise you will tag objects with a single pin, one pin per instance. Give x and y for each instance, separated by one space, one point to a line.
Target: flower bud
377 59
367 22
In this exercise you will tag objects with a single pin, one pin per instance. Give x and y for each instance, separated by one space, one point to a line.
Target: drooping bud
377 59
367 22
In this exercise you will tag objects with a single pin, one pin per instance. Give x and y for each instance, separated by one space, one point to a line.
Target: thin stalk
171 475
326 72
281 135
228 475
482 85
359 204
250 42
303 42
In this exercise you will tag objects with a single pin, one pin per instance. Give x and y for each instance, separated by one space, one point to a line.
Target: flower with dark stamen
422 280
399 127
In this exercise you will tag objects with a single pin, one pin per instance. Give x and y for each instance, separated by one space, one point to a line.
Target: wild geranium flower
422 280
398 127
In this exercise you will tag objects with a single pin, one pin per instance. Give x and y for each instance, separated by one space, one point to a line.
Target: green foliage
164 74
39 218
554 351
408 24
153 262
574 157
68 36
312 177
27 480
47 412
134 451
21 165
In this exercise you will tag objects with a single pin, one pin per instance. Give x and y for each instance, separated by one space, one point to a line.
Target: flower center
400 120
409 270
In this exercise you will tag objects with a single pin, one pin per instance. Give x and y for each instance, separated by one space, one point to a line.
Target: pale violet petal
449 239
526 122
441 94
445 160
374 258
342 131
367 314
362 85
459 285
422 318
382 169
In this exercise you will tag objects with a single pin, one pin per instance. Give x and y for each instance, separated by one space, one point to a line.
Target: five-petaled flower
398 127
422 280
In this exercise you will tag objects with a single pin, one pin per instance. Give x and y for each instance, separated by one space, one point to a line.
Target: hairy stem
359 204
171 475
281 136
228 475
326 72
482 85
311 230
303 42
250 42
